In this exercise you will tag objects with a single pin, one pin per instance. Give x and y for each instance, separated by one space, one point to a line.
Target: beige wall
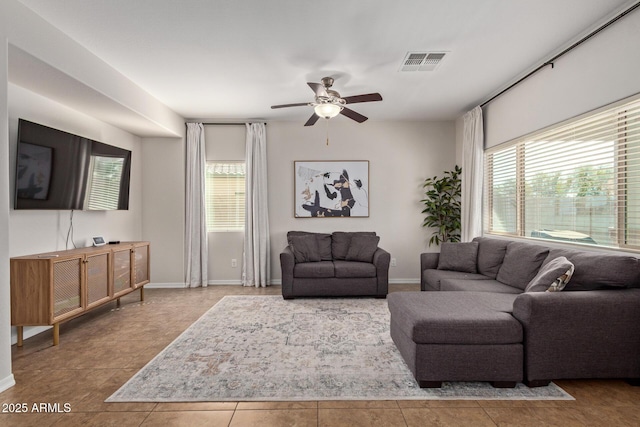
600 71
225 143
401 156
163 209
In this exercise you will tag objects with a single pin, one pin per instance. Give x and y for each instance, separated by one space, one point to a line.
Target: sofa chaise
340 264
500 310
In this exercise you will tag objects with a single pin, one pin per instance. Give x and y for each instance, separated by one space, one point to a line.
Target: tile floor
101 350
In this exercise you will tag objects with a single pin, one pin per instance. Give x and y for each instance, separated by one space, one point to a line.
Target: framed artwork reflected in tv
33 175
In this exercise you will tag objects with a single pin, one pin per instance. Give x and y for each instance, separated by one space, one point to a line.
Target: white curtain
256 262
196 223
472 175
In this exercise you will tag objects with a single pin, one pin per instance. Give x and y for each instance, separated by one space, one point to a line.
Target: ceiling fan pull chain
327 120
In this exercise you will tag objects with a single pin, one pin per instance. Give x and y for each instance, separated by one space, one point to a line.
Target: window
224 196
578 181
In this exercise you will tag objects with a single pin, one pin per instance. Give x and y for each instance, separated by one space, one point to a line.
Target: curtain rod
219 124
564 52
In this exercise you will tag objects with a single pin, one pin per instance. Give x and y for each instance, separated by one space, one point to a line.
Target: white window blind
225 196
105 176
578 181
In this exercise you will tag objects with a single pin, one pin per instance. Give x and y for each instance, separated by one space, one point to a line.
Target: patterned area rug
263 348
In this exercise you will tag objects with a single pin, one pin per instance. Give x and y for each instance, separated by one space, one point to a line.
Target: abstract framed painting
331 189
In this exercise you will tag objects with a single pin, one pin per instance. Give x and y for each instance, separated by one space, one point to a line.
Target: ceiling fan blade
300 104
312 120
318 89
353 115
363 98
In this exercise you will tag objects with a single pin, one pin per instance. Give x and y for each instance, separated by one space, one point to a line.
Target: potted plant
442 206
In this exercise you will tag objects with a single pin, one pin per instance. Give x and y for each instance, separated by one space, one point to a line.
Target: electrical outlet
393 262
234 263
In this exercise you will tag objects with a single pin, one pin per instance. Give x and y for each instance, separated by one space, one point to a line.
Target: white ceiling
233 59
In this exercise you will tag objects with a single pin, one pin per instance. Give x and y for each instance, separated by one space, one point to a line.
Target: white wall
6 377
401 156
163 209
600 71
34 231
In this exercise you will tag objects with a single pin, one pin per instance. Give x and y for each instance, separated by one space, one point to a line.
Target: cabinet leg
56 333
142 294
20 331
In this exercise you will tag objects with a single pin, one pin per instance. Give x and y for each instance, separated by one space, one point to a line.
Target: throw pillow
340 241
552 277
521 264
362 248
458 257
305 248
323 239
490 255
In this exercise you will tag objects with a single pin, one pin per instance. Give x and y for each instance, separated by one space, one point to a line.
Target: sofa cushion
321 269
305 248
456 317
458 257
595 270
521 263
362 248
432 278
553 276
340 241
323 239
490 255
474 285
354 269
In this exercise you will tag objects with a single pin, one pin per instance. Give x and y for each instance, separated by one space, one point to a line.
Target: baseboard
277 282
165 285
391 282
27 332
7 382
224 282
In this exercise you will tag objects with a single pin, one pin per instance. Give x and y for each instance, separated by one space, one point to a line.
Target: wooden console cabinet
50 288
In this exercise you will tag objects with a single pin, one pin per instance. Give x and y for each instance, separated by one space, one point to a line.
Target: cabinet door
67 288
97 278
121 271
141 263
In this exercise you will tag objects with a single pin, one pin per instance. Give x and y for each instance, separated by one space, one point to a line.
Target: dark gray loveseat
338 264
486 301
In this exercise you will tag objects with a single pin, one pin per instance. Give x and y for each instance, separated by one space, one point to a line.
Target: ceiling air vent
422 61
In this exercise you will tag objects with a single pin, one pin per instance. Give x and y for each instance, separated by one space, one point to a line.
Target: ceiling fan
328 103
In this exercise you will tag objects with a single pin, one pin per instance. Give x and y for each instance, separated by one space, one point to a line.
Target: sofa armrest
428 261
382 259
582 334
287 262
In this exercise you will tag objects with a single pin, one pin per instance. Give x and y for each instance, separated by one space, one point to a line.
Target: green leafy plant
442 206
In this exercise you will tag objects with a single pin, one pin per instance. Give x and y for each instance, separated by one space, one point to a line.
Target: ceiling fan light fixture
327 110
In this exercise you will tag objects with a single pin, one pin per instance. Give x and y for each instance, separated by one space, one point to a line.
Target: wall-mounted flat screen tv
59 170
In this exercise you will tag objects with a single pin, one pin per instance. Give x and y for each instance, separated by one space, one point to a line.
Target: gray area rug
263 348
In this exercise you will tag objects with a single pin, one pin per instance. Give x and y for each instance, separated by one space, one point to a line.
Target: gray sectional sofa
338 264
492 312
